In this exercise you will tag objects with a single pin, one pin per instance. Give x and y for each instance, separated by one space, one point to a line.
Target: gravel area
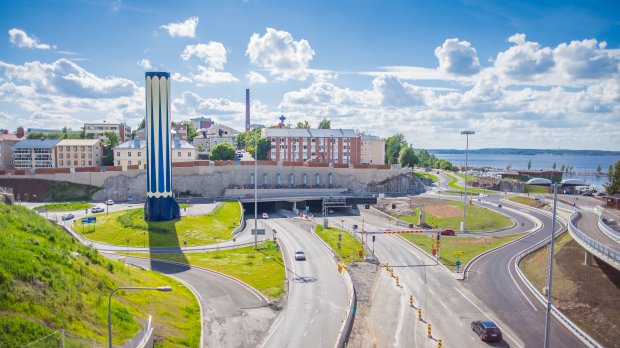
364 276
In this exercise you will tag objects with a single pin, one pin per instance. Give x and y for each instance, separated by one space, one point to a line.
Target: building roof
141 144
308 133
43 130
370 137
10 137
106 123
36 143
78 142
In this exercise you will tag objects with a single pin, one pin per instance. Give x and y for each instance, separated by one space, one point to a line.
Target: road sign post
258 231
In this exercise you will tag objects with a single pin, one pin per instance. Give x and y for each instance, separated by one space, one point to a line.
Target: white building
372 149
133 152
98 129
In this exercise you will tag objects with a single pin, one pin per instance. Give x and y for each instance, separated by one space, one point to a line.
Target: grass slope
478 219
453 181
430 176
67 206
48 281
129 228
470 246
349 246
263 269
536 189
60 191
528 201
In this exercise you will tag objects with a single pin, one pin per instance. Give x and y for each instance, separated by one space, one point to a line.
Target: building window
83 148
75 148
90 163
83 163
118 154
189 154
129 162
139 154
139 163
59 155
75 156
128 153
83 155
67 148
75 163
118 163
179 154
90 148
90 155
61 163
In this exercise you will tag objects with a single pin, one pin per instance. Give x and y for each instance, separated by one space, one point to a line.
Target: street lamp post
467 133
547 182
159 288
255 192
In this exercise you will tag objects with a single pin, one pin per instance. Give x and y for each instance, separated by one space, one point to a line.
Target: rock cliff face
403 183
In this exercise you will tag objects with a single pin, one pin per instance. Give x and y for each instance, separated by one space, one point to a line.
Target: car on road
109 202
330 211
487 330
265 216
447 233
96 210
588 193
300 256
67 216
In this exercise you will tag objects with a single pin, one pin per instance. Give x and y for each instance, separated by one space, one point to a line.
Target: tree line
397 150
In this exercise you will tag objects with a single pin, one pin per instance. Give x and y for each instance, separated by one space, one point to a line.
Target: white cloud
525 58
212 53
394 93
20 39
586 59
145 64
209 76
457 57
183 29
280 54
255 78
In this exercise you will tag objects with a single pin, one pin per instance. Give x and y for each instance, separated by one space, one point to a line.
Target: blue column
160 205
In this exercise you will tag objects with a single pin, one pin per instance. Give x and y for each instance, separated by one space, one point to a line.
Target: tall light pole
255 192
467 134
159 288
547 182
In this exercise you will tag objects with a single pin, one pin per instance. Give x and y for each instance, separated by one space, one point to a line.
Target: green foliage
48 282
303 125
407 157
536 189
529 164
325 124
430 176
191 131
349 245
246 141
72 206
262 269
129 228
393 145
112 140
453 184
613 174
62 191
599 169
554 165
56 135
142 124
222 151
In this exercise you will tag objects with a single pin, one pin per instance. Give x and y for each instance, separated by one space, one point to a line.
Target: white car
109 202
300 256
265 216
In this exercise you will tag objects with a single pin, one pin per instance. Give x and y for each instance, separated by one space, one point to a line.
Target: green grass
536 189
453 181
430 176
62 191
459 193
48 282
262 269
349 246
128 227
478 219
528 201
68 206
470 246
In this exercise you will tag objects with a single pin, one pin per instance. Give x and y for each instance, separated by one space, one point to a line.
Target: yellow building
71 153
133 152
372 149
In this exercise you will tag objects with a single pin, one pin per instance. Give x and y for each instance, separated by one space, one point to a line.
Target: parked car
96 210
265 216
447 233
67 216
109 202
487 330
300 256
588 193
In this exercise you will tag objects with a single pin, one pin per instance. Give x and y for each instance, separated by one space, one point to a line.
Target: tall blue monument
160 205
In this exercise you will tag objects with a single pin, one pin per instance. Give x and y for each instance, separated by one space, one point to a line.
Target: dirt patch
592 295
363 275
443 211
405 205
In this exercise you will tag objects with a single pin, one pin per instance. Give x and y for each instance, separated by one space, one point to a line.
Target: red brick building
338 146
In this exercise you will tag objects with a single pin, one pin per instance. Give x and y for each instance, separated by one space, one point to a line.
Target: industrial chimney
247 109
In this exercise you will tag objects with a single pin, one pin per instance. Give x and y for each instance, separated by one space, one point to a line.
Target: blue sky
521 74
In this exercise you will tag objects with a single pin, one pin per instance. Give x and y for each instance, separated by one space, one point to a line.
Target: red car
447 233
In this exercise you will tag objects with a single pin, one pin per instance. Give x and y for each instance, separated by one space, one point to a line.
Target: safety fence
598 248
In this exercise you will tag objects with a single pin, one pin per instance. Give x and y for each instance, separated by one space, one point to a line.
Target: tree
509 166
563 168
112 140
393 145
599 169
554 165
325 124
142 124
222 151
407 157
613 186
201 147
303 125
245 140
191 131
529 164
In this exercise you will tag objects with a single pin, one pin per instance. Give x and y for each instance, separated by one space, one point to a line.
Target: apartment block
98 129
372 149
71 153
133 152
6 150
35 153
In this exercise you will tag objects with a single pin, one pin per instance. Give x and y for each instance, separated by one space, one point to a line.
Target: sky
527 74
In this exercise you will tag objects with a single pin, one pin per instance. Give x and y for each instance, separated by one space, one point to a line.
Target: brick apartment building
339 146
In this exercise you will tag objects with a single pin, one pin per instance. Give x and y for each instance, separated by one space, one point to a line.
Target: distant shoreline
527 152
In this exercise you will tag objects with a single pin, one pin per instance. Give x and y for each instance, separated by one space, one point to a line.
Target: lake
582 165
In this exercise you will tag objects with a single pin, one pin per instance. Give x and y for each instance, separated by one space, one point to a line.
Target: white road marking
486 315
517 284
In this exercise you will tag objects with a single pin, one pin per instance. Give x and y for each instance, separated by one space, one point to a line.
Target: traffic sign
259 231
85 221
458 263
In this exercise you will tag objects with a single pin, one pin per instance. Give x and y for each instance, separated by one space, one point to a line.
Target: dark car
487 330
66 217
588 193
447 233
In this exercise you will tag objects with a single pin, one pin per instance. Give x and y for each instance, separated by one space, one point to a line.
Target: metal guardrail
610 232
601 248
141 338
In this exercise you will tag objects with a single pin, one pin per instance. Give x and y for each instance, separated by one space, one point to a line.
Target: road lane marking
517 284
486 315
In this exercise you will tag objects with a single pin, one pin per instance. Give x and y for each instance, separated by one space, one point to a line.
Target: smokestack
247 109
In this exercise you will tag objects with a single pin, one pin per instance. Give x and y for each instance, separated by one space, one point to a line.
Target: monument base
161 209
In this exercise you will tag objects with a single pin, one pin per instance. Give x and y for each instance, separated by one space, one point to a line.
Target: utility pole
255 193
467 134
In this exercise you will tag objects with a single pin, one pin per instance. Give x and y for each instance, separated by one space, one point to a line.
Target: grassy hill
48 282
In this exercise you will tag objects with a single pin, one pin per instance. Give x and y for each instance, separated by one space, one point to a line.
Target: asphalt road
317 295
233 314
587 223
